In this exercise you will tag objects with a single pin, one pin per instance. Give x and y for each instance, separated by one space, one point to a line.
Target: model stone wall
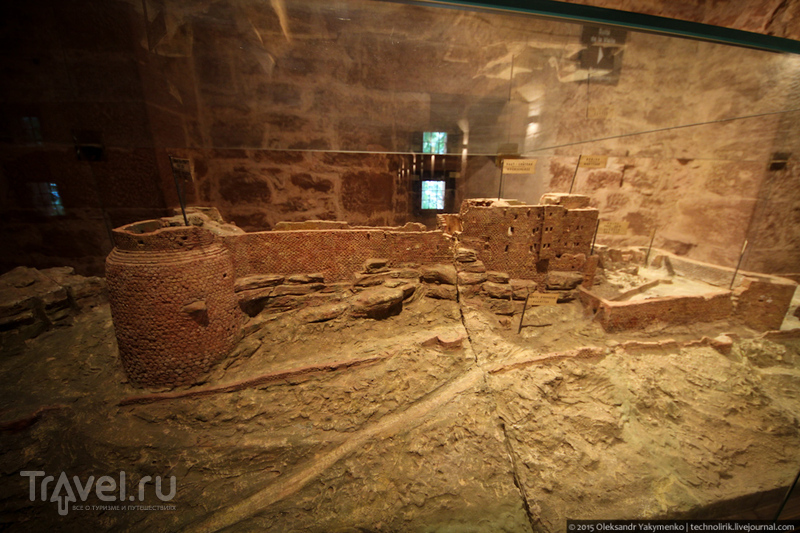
172 289
178 293
758 301
523 239
762 303
338 254
620 316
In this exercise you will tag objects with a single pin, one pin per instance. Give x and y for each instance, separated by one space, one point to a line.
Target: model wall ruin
179 294
620 316
755 300
337 254
525 239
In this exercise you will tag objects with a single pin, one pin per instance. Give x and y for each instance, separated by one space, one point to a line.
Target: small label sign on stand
181 168
612 227
537 298
593 161
543 298
519 166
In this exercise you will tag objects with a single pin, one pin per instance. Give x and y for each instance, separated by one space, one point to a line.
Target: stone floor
442 418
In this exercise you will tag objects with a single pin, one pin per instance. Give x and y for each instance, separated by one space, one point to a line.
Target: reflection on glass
434 142
33 130
46 198
432 194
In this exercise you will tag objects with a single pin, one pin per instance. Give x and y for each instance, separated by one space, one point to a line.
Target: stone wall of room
266 109
770 17
73 67
255 189
774 232
680 161
301 113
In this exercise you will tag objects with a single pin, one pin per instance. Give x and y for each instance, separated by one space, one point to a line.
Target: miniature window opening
46 198
432 194
779 161
89 145
33 129
434 142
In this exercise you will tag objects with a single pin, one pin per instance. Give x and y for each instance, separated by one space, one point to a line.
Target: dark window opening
33 129
46 198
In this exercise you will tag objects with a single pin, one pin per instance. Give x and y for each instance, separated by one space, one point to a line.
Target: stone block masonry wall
256 189
304 117
172 302
338 254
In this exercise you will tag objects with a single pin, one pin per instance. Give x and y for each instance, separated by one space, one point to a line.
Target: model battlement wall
524 240
508 236
337 254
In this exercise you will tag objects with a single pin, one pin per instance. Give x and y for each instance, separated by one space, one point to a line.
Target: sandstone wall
680 161
306 113
256 189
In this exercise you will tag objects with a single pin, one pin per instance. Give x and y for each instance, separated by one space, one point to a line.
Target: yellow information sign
593 161
519 166
613 227
542 298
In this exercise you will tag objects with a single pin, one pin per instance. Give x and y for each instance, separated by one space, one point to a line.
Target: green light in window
434 142
432 194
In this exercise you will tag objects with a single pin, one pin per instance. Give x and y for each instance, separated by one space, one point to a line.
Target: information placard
181 168
593 161
543 298
519 166
613 227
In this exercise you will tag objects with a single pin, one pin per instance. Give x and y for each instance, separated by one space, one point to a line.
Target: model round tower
172 302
